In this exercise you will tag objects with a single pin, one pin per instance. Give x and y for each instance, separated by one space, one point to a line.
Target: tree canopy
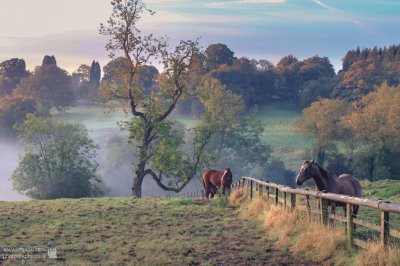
50 85
11 72
58 160
13 110
368 129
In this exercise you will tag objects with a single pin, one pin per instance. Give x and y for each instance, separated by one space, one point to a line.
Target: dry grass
304 237
379 256
238 196
294 231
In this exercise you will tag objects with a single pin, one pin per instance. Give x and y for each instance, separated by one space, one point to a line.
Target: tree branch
164 187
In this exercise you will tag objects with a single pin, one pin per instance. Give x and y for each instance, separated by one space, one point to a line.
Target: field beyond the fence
177 231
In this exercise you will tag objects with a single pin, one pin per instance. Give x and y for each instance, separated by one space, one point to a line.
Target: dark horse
213 179
344 184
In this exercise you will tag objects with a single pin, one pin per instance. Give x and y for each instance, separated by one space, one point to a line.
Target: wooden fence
291 199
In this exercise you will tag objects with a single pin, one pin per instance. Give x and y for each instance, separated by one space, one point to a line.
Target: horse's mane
323 171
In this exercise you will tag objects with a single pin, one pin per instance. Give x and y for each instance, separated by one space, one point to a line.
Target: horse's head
305 172
226 179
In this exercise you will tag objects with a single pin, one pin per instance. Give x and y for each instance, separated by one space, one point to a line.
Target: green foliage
323 121
13 110
58 160
235 137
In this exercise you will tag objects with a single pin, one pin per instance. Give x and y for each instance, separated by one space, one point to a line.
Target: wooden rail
291 200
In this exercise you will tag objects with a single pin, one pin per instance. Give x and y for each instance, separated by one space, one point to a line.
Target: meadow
148 231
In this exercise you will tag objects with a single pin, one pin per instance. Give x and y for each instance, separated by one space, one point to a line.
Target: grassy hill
136 231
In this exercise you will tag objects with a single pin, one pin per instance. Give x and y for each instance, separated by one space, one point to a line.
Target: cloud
225 4
327 7
341 13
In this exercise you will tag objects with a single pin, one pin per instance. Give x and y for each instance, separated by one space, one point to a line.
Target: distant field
280 133
121 231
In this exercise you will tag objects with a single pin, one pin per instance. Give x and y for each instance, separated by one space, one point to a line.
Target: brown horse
213 179
344 184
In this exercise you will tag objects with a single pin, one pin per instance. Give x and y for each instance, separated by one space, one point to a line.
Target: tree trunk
137 186
141 167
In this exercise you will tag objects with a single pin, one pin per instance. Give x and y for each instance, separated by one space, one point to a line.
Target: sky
261 29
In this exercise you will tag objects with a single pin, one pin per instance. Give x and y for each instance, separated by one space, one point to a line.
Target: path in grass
145 231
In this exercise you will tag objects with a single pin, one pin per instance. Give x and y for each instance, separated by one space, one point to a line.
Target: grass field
287 144
136 231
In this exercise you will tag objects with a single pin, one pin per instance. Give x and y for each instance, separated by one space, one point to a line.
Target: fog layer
9 153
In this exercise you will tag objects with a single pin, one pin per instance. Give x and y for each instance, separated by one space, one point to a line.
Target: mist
9 154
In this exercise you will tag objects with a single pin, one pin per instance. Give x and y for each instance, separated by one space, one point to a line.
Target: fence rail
290 198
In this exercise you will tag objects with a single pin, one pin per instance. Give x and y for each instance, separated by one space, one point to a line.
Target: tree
151 129
50 85
80 81
49 60
58 160
374 122
323 122
94 79
115 75
13 110
218 54
11 72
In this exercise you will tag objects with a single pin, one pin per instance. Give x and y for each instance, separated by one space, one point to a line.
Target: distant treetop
49 60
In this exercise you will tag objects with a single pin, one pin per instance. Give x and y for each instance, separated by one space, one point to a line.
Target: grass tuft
379 256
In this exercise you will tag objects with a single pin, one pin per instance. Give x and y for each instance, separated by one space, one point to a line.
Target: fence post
384 227
267 189
324 210
276 196
251 189
260 189
292 201
284 200
349 224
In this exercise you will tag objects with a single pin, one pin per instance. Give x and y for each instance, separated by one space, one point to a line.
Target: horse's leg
213 190
333 211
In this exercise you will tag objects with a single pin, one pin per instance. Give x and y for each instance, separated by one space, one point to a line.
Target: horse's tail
358 192
357 187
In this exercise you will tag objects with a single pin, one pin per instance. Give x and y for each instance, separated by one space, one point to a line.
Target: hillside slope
135 231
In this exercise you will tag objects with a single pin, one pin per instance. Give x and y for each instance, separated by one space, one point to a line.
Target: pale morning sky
267 29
